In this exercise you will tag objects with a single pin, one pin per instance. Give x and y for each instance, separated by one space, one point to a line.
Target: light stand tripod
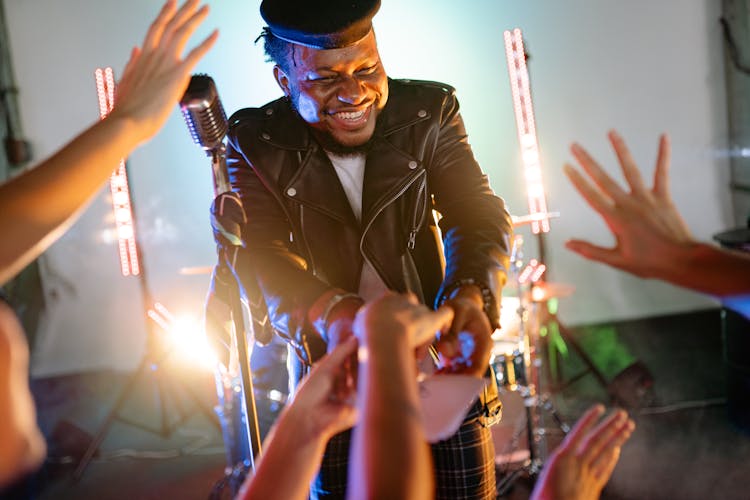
154 355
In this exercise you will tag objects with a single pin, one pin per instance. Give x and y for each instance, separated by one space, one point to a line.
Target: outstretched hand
581 466
644 221
156 76
401 316
318 404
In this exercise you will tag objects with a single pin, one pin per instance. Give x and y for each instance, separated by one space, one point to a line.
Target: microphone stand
226 267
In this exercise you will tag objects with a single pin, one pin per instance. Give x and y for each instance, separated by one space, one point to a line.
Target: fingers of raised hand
581 427
661 173
154 33
176 21
602 469
598 200
183 31
629 167
601 436
199 51
604 464
597 173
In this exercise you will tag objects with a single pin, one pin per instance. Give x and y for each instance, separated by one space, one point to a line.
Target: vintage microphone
207 122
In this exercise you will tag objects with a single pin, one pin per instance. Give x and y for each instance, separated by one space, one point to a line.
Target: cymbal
544 291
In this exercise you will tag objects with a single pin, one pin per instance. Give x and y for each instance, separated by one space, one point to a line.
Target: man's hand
644 221
467 346
157 75
228 218
581 466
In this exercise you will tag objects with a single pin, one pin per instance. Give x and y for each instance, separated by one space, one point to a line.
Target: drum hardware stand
549 318
537 402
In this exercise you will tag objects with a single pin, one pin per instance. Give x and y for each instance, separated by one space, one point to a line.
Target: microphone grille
204 113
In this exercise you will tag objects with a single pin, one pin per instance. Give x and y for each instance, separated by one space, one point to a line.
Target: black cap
320 24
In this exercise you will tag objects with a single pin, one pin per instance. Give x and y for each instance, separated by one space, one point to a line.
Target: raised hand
644 221
580 467
157 74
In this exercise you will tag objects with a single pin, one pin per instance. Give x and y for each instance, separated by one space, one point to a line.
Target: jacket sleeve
475 224
271 258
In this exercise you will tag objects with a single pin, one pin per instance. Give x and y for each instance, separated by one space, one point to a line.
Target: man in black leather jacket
339 180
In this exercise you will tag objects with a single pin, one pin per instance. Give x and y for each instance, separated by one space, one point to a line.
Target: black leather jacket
302 238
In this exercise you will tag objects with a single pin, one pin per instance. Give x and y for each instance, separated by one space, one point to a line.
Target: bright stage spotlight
185 336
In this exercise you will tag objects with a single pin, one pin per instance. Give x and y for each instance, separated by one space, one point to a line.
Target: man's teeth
350 115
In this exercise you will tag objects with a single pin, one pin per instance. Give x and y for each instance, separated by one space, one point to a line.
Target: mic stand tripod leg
251 412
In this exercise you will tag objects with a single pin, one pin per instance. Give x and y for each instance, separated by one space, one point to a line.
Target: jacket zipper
304 240
417 225
382 207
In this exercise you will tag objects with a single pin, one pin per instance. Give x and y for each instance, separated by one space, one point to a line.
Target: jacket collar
388 170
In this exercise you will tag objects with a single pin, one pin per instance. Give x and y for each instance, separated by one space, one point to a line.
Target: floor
670 371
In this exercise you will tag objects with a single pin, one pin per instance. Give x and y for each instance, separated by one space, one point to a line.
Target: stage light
523 278
537 294
118 183
185 337
524 111
189 340
538 272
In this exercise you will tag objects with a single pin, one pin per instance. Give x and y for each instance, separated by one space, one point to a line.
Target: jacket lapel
387 172
317 185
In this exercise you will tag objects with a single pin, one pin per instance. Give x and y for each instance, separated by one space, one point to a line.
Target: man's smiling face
338 92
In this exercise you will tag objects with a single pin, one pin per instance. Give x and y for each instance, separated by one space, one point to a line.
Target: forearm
289 291
39 204
390 457
23 446
708 269
290 458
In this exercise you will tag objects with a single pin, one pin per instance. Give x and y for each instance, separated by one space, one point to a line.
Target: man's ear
282 79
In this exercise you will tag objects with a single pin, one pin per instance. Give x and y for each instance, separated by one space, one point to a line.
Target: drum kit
517 360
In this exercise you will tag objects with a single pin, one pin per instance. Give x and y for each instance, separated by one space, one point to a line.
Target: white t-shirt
351 172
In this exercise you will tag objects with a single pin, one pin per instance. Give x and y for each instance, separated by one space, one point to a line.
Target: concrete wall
641 66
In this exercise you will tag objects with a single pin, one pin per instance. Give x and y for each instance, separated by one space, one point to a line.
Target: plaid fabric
464 464
330 483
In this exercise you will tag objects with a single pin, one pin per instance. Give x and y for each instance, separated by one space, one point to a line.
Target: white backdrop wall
641 66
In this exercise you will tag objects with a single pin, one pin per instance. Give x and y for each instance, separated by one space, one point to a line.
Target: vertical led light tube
118 183
524 110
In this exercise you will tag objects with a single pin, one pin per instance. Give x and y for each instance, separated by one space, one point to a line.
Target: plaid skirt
464 464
